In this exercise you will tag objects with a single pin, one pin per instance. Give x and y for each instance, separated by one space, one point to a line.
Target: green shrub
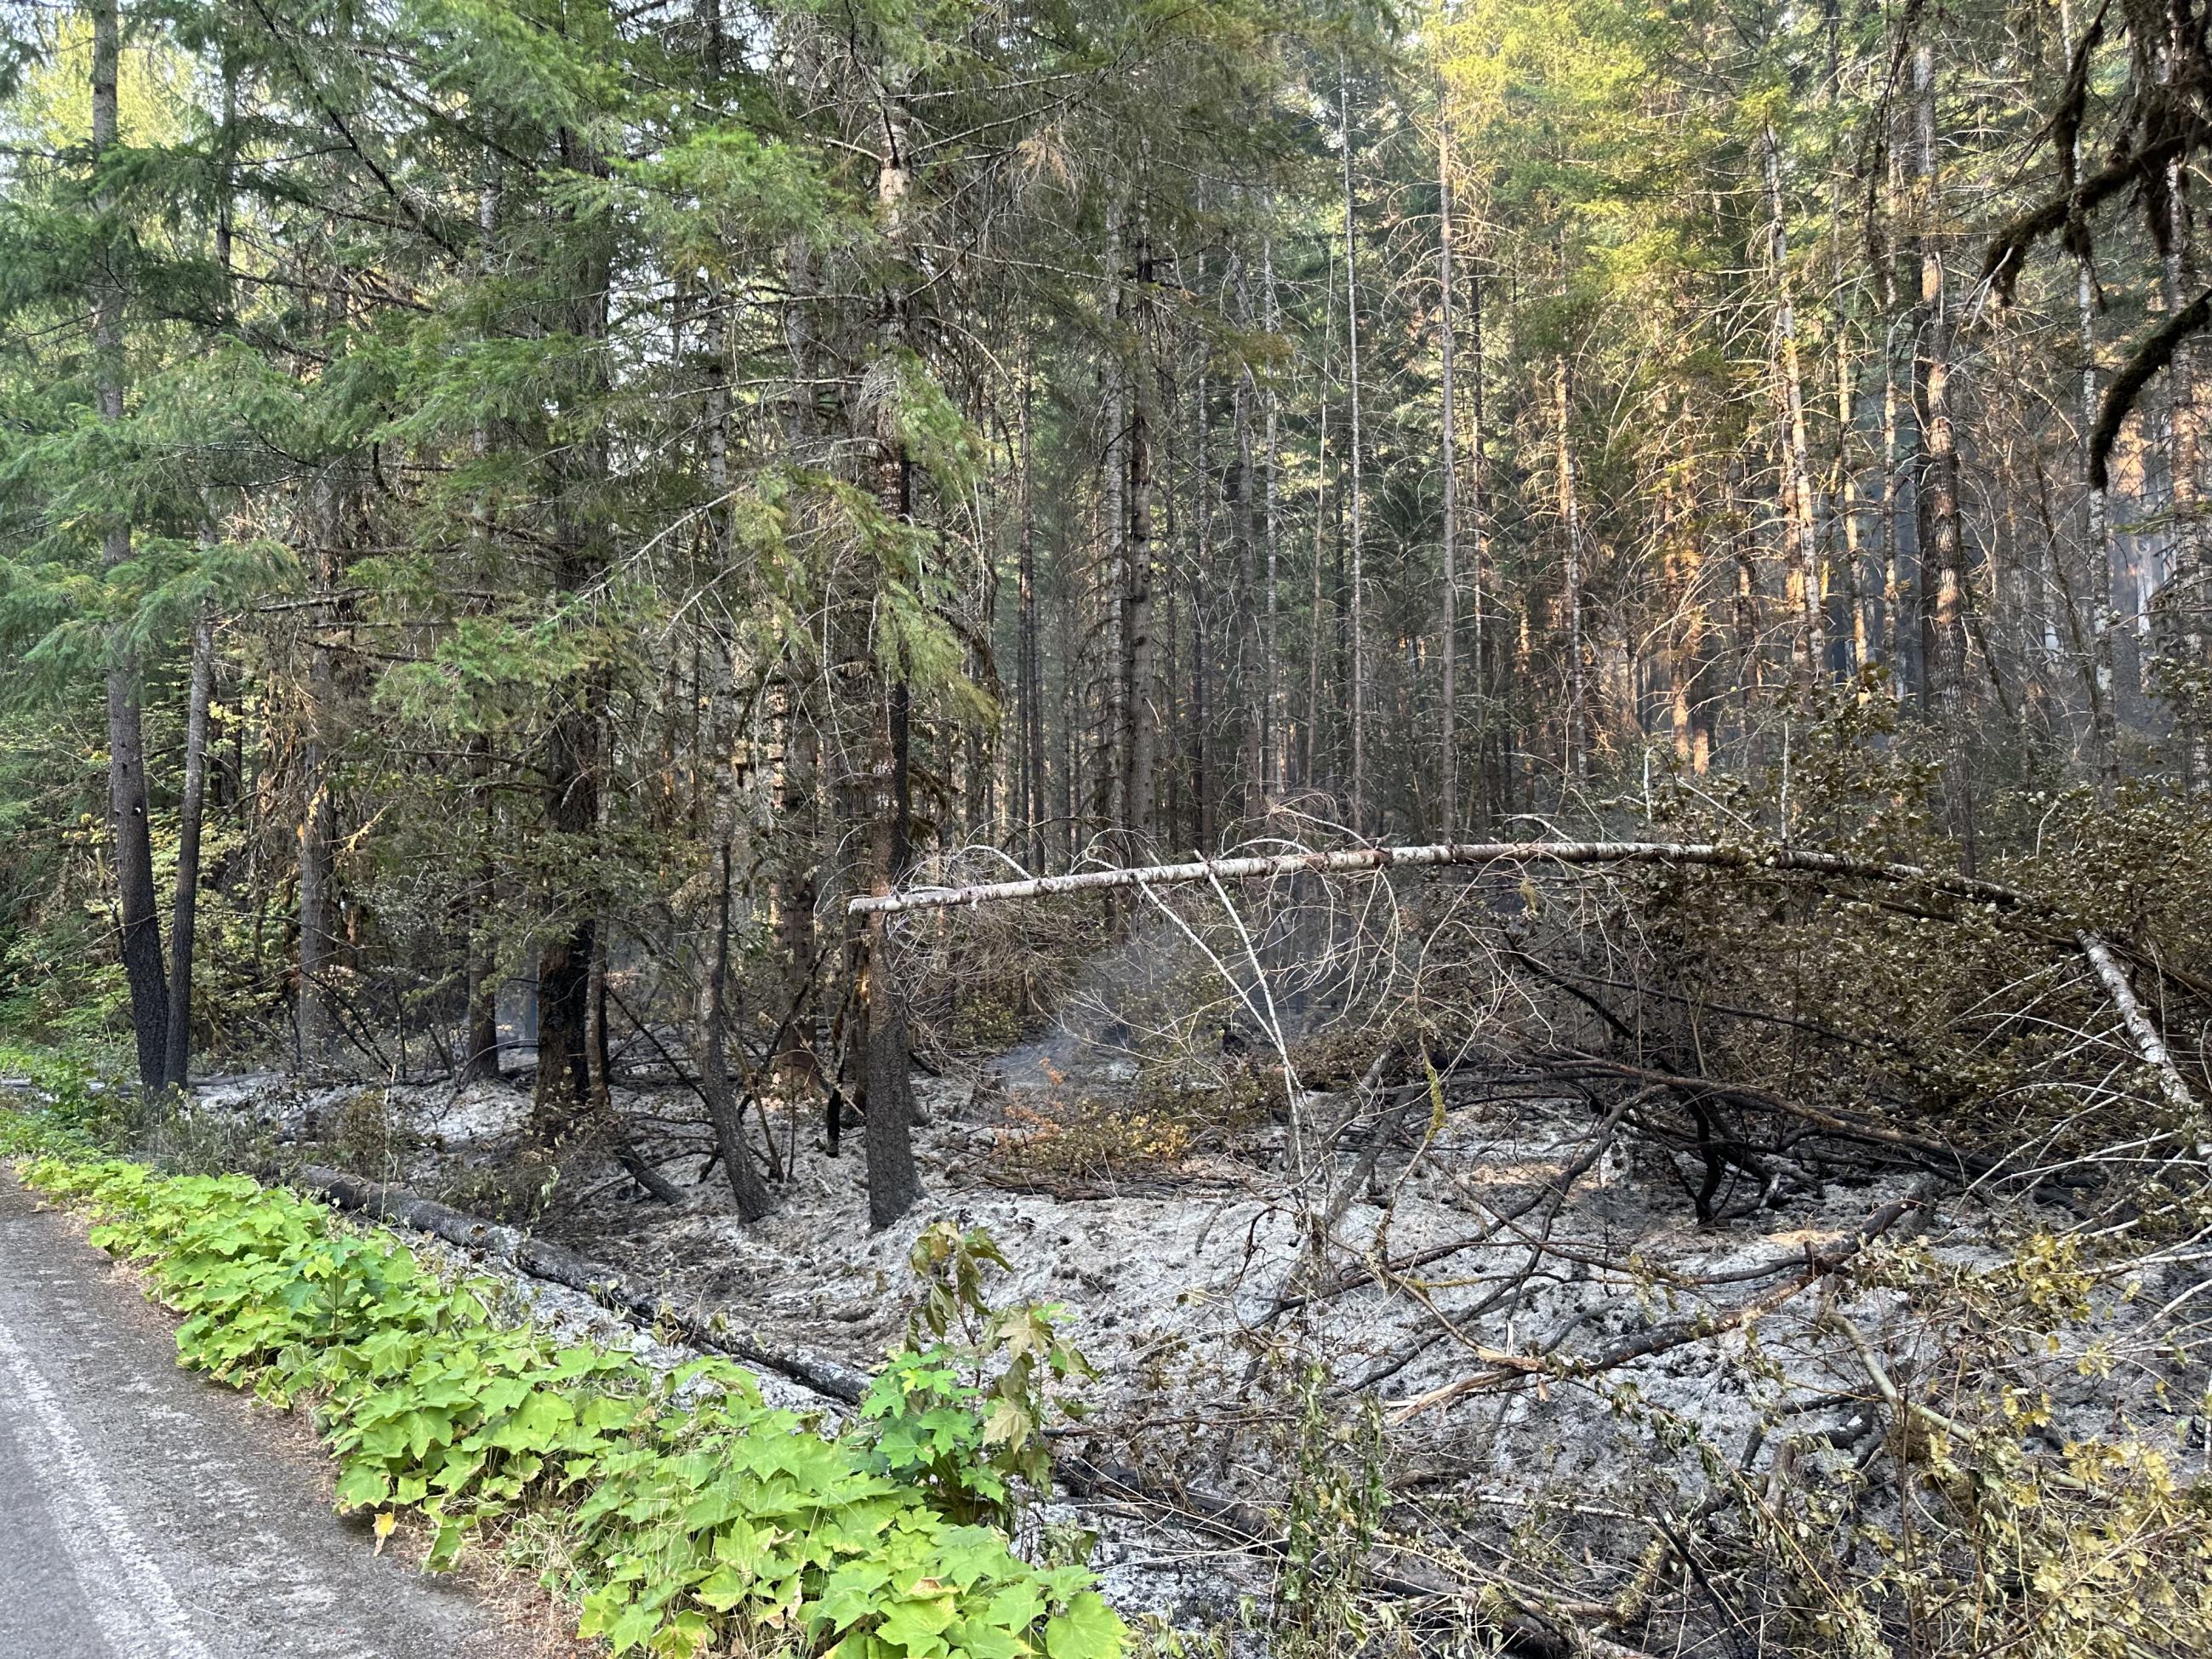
697 1518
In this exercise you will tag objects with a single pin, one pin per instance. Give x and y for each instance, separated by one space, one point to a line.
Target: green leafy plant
961 1412
695 1518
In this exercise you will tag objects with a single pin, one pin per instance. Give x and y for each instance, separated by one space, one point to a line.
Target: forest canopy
1643 560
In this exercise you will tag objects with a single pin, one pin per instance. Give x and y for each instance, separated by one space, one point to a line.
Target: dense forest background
542 542
497 495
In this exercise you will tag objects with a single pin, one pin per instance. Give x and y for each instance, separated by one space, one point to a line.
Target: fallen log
603 1284
2150 1043
1798 860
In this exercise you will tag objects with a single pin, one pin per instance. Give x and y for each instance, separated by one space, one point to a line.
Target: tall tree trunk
1202 699
1109 782
1571 531
1944 555
1358 607
1900 524
1448 436
1275 712
1863 594
1141 741
1860 593
1247 576
1310 739
573 753
2096 529
1029 669
1803 562
1943 558
894 1183
480 1051
2185 581
723 1113
140 925
1478 529
184 927
318 897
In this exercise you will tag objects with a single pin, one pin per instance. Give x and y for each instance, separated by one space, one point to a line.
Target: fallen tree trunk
1797 860
2145 1035
603 1284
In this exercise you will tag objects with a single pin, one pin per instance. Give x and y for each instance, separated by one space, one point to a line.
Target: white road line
138 1613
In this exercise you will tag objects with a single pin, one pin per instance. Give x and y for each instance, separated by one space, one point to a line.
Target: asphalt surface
147 1513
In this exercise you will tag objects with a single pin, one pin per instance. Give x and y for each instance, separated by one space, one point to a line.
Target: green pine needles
696 1519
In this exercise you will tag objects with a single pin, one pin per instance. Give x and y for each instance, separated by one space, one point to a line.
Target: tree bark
1943 557
1944 560
1275 713
184 927
1571 530
1139 744
1028 670
1359 609
1448 436
2097 539
1712 855
723 1113
2185 596
128 830
575 743
1247 577
316 1024
1109 782
1803 585
894 1184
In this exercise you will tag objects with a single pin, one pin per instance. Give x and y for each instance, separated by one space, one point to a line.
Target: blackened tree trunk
141 927
184 924
1029 669
480 1048
724 1113
573 743
1251 721
894 1184
1140 745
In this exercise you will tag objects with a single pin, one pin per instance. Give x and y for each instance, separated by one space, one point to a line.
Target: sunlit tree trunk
1571 536
2185 582
1803 562
1358 539
1943 548
1274 713
1448 439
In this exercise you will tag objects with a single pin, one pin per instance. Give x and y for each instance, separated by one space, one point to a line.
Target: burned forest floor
1463 1335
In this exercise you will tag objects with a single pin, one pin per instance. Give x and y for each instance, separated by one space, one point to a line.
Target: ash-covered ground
1501 1306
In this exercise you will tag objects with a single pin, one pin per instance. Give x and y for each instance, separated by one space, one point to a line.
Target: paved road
145 1513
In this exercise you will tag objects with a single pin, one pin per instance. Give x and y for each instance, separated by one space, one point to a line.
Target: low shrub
696 1519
